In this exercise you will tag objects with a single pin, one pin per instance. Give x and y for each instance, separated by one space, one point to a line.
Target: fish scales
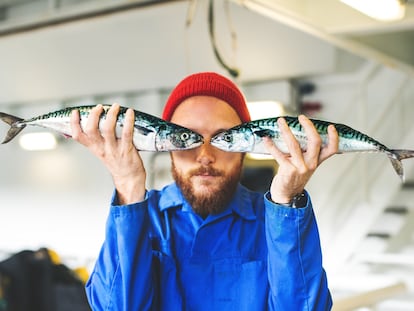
344 132
322 128
150 133
348 136
248 137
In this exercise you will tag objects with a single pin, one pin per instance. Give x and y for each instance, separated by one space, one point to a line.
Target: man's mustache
205 171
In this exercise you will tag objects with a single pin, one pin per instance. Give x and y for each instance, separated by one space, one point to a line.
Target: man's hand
297 167
119 155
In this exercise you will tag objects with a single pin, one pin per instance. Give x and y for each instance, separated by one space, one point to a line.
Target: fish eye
227 138
184 136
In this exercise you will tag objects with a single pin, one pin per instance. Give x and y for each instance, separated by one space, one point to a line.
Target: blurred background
323 58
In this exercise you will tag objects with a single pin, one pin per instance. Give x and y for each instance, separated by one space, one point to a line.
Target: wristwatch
298 201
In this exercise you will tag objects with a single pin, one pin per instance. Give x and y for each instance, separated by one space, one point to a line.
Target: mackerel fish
247 137
150 132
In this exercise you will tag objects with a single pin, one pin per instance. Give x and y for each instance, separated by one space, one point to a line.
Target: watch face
299 200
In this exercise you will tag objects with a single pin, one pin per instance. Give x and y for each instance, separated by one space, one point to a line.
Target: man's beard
211 201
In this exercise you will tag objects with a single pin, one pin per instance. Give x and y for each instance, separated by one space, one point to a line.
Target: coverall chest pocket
236 286
167 294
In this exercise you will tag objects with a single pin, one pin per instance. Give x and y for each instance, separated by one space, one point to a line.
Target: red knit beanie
207 84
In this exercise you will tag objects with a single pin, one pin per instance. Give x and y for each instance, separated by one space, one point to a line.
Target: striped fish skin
247 137
150 133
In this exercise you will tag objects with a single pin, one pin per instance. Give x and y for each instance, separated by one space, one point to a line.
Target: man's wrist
297 201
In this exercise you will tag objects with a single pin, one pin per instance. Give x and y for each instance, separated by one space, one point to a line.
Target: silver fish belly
247 137
150 133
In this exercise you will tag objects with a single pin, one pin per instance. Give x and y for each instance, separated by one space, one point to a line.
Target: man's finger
92 125
108 126
128 129
75 125
332 146
278 155
314 142
289 139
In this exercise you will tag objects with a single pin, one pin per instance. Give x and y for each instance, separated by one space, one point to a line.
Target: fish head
178 138
236 139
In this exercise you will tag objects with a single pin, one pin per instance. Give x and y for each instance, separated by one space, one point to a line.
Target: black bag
29 281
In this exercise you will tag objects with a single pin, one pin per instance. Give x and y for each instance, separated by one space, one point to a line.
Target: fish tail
16 126
395 156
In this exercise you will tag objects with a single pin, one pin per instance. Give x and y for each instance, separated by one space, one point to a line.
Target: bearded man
205 242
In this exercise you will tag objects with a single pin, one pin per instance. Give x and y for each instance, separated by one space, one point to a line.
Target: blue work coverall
255 255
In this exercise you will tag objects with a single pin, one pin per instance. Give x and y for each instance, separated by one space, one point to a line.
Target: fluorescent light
384 10
38 141
265 109
259 157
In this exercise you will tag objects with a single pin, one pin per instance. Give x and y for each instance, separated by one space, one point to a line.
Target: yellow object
54 257
82 273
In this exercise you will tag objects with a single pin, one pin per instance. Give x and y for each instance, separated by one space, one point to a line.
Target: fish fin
395 156
142 130
403 154
15 126
398 167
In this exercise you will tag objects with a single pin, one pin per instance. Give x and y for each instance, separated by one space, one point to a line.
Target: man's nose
206 153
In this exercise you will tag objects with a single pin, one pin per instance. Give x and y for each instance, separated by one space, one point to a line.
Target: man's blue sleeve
296 276
121 279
